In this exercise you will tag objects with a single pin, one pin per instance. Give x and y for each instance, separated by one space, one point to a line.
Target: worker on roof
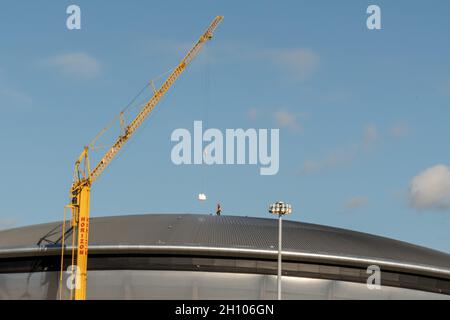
219 209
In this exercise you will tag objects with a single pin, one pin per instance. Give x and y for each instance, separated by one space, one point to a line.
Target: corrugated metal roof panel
231 232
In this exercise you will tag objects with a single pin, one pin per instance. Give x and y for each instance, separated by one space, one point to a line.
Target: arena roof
230 236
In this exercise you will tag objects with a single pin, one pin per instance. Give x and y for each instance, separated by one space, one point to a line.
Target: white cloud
7 223
76 64
431 189
355 203
286 119
299 61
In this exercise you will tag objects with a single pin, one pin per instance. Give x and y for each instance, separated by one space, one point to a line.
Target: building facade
184 256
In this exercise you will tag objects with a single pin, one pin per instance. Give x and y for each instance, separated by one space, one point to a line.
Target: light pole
280 208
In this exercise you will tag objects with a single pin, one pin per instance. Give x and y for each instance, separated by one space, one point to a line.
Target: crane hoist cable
130 106
206 104
84 177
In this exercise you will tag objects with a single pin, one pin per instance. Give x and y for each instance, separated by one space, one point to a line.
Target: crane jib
84 177
135 124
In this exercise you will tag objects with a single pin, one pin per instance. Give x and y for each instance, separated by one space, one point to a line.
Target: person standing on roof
219 209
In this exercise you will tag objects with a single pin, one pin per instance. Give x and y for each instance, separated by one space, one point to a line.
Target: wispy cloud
283 117
163 45
253 113
12 97
430 189
345 155
287 119
355 203
445 88
335 159
370 137
299 62
399 130
77 64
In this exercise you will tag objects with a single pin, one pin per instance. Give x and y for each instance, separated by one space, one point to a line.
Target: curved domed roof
230 235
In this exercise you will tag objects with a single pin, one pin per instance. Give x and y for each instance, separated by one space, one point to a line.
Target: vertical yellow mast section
84 177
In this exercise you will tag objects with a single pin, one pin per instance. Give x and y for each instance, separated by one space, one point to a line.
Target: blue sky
363 115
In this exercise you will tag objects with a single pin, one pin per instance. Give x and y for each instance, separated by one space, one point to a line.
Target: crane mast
84 177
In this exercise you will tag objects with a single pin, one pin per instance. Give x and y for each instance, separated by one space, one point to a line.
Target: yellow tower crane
84 177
